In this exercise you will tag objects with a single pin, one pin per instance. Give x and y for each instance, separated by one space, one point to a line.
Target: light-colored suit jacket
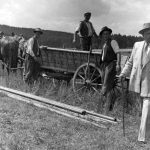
139 72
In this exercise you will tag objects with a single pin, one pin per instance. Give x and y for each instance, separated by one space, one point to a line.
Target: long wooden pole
58 104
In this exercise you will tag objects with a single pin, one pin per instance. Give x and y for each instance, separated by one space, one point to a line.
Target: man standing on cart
85 30
32 57
110 65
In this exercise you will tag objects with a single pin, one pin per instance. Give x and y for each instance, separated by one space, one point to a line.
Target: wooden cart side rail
125 51
94 51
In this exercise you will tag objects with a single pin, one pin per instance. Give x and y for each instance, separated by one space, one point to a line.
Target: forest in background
64 40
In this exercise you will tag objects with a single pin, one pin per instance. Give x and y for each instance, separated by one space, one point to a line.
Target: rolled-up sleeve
78 28
115 46
30 47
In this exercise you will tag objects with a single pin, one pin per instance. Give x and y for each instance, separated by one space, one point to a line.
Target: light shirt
29 50
146 52
114 45
90 32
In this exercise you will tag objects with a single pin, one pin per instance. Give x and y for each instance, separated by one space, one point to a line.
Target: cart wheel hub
88 82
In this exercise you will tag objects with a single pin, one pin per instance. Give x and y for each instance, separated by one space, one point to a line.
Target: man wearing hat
85 31
110 64
138 67
32 65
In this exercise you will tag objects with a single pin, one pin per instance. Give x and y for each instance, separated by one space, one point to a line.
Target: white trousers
144 131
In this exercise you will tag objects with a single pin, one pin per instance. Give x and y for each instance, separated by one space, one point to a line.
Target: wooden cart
82 67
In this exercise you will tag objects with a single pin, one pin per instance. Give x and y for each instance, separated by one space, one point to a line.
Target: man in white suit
138 67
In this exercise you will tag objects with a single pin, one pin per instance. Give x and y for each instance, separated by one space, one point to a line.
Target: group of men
110 60
137 67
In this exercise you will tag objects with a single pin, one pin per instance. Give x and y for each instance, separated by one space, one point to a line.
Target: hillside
64 39
49 38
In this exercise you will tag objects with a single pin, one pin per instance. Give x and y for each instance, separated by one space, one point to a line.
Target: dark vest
109 52
84 29
36 49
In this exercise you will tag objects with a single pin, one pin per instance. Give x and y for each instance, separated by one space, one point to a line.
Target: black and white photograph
74 75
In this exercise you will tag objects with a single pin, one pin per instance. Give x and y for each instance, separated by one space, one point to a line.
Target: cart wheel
87 80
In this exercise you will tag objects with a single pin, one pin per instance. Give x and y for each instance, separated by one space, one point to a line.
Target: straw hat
38 30
146 26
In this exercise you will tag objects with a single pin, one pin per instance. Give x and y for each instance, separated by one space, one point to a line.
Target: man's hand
118 69
122 77
74 40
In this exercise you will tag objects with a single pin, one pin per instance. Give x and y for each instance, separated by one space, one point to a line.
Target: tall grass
53 89
62 92
24 126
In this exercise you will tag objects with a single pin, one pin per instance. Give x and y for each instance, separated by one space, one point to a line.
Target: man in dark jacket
85 31
110 64
32 57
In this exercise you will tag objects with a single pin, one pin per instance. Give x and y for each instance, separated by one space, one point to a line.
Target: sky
122 16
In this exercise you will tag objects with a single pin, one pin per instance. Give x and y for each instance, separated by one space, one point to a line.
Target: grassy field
27 127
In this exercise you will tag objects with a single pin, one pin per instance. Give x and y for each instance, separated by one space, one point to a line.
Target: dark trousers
31 70
108 74
86 43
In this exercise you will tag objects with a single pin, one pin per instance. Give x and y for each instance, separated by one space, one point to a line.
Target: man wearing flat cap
86 31
110 65
32 65
138 67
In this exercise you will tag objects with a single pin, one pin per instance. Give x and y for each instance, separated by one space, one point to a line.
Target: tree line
64 40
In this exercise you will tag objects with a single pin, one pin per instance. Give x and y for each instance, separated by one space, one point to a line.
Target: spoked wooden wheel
87 80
